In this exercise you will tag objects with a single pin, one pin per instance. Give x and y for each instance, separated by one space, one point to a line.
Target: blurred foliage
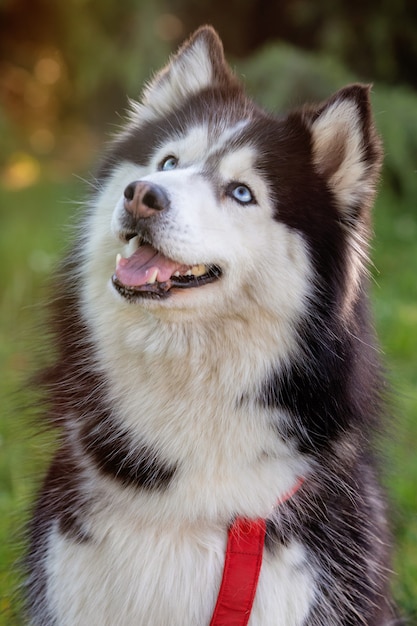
376 38
65 67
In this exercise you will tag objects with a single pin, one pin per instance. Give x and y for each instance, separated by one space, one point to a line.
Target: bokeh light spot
47 71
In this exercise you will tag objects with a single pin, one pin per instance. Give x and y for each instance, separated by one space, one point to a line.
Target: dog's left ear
346 149
198 64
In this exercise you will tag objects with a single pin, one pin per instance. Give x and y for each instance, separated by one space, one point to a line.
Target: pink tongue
138 268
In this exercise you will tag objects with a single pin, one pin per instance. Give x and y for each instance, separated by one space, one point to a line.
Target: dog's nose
144 199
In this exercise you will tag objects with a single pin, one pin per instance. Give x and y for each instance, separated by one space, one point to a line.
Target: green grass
395 298
32 238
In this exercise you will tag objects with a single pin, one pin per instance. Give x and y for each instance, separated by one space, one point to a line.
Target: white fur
339 126
146 575
176 369
193 368
176 375
190 72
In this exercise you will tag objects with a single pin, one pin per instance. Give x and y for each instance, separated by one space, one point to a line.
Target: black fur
115 453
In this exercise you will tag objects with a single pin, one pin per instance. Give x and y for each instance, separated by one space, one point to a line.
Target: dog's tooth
199 270
118 259
152 277
176 274
132 246
188 273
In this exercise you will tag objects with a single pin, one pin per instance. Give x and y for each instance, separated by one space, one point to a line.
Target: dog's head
212 206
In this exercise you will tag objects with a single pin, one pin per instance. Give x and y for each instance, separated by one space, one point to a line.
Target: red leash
242 566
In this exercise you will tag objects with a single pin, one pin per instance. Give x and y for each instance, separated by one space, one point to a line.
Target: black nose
144 199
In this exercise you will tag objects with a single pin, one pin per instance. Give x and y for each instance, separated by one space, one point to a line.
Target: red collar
242 567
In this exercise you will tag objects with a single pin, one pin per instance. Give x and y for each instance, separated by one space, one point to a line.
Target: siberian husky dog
214 352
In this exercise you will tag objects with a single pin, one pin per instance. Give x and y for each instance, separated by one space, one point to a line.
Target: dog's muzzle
147 272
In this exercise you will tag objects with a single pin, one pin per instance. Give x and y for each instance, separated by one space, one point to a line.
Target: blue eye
169 163
242 194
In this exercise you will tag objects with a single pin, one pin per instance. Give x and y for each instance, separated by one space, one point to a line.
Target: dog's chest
166 575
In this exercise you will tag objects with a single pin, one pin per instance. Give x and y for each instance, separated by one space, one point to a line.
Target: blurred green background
65 71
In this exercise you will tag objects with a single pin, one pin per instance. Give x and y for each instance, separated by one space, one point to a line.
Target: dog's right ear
198 64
